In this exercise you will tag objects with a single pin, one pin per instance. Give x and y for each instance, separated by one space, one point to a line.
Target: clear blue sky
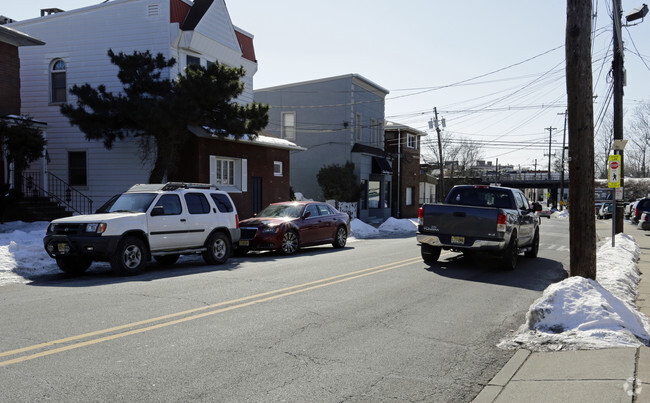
436 53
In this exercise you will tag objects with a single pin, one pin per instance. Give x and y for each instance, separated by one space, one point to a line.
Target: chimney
50 11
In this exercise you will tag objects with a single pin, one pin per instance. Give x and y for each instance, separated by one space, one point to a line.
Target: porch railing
58 191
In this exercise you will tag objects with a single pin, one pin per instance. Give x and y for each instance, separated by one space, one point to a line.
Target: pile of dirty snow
579 313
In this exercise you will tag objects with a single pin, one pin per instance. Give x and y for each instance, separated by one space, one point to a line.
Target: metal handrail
59 192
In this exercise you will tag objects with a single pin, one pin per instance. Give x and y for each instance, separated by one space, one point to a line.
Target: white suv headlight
96 227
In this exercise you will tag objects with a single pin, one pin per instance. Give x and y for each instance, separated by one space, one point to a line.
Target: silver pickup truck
492 219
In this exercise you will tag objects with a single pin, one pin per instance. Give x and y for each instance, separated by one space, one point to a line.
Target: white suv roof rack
149 187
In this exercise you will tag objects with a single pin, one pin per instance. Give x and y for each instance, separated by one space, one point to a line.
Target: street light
637 13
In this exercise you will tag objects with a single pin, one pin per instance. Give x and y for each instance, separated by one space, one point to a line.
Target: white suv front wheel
129 257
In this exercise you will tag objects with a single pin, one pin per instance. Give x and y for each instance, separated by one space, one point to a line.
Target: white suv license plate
458 239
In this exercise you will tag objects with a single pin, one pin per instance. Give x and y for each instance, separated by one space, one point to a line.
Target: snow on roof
264 141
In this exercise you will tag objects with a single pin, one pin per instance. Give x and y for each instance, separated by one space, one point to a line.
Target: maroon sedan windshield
281 210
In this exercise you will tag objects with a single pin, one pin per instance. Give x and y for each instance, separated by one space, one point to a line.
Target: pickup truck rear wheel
430 253
130 257
73 265
509 258
218 249
534 247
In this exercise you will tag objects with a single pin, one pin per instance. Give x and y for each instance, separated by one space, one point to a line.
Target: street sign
614 171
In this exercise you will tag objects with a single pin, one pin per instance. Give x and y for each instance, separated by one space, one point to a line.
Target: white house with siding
197 31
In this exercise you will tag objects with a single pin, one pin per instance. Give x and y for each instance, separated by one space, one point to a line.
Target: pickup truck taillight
501 222
420 216
237 220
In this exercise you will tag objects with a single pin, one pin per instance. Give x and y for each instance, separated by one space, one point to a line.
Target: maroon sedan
287 226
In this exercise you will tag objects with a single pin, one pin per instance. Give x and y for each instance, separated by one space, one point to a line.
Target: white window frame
56 70
239 173
411 141
409 196
288 132
277 168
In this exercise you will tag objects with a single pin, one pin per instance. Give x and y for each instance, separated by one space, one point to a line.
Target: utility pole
442 164
582 222
617 72
565 113
550 132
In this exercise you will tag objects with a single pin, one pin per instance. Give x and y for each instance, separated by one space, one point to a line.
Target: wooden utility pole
582 222
442 164
617 73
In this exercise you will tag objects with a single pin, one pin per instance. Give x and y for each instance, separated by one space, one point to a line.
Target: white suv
162 221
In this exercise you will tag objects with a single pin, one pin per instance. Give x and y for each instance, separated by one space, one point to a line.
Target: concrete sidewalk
607 375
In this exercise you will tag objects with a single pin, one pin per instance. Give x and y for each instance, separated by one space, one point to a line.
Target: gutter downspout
399 166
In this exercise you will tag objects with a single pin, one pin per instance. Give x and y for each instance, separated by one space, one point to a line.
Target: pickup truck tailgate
468 221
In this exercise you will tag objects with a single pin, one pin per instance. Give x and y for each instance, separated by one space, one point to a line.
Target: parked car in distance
627 210
644 220
640 206
545 212
605 211
288 226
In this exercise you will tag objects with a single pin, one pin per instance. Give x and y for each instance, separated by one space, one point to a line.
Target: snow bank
579 313
395 225
362 230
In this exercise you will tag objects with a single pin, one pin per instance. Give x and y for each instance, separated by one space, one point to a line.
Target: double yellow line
100 336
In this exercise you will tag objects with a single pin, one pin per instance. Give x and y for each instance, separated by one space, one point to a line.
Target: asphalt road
370 322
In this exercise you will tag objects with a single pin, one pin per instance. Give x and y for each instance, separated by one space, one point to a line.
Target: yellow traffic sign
614 171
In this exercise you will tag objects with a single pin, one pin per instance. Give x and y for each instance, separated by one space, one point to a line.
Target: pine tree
157 111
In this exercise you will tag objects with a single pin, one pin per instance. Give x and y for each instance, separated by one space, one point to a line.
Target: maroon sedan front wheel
290 243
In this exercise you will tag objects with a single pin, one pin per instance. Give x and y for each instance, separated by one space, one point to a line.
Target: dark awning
380 165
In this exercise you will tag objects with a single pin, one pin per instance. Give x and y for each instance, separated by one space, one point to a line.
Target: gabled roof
195 14
17 38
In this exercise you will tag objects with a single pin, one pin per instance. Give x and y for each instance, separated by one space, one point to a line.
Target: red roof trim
246 44
178 11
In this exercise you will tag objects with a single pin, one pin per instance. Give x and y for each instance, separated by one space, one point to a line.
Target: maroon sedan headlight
270 230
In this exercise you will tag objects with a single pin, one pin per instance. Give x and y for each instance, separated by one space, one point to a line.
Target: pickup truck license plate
458 239
243 243
61 247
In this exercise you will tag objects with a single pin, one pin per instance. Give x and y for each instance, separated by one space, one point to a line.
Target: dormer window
58 81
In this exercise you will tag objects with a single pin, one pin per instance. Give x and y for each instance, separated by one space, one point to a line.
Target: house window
380 133
411 141
374 193
77 169
289 125
387 195
229 173
225 172
409 196
57 81
364 194
374 138
277 168
192 61
357 127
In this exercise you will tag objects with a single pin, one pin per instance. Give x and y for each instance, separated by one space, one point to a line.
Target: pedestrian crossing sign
614 171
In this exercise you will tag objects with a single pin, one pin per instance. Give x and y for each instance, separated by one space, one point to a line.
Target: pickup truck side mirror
157 210
537 207
306 215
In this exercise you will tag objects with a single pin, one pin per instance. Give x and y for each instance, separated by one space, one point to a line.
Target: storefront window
374 194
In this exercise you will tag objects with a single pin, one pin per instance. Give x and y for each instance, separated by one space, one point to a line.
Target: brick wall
260 164
9 80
